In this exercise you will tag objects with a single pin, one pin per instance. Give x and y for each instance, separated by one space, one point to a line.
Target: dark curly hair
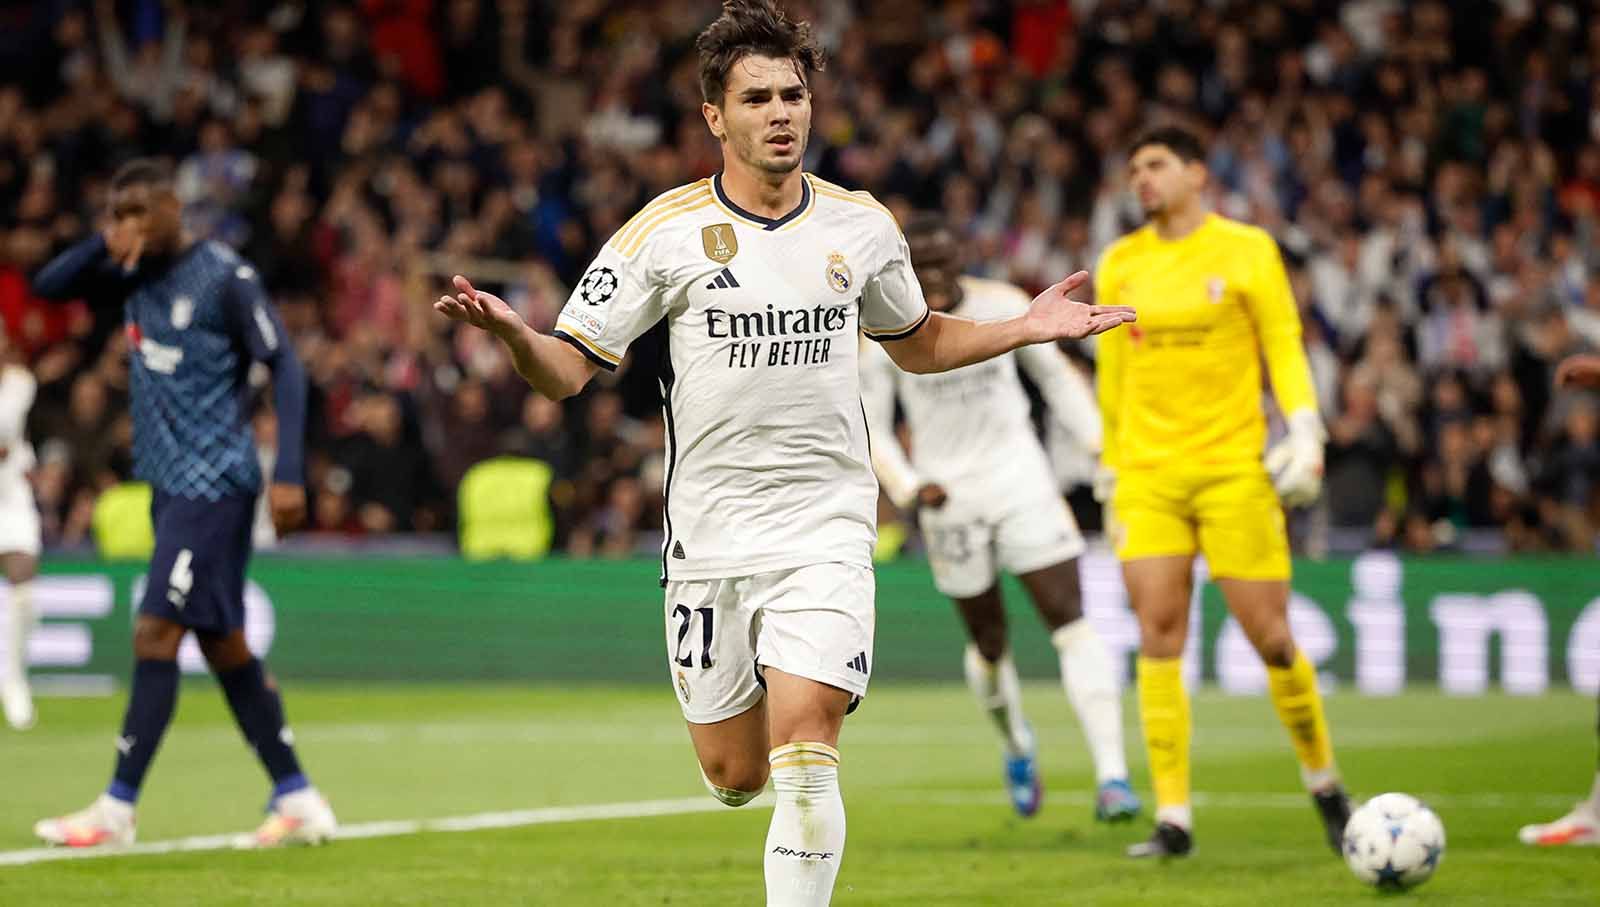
752 28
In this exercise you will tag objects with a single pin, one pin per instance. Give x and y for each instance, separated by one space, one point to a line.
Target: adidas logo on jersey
858 663
677 551
724 281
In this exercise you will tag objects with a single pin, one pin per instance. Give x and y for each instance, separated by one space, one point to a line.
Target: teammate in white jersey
759 281
19 537
987 501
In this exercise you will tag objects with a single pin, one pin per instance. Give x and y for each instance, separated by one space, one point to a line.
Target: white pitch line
638 809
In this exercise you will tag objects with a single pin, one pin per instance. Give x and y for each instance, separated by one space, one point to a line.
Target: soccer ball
1394 841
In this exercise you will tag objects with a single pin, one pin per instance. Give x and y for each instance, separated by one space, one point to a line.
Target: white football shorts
19 518
970 540
814 622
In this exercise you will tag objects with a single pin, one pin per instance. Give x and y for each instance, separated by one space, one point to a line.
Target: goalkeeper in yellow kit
1182 468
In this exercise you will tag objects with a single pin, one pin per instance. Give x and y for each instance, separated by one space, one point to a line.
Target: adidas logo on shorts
858 663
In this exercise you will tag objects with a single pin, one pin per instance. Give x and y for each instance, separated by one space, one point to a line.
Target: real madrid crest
719 242
683 686
839 276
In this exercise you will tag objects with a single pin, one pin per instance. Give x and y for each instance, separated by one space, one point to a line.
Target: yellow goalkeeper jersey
1182 385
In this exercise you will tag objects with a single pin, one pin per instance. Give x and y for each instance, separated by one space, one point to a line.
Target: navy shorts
197 572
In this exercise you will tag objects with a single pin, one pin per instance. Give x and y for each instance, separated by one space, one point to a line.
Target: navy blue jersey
195 323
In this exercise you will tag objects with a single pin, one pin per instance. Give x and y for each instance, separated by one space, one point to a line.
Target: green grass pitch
928 823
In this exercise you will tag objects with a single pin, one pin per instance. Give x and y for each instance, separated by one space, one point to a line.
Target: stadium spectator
1430 170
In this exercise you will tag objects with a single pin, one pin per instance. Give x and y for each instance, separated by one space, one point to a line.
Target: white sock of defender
999 694
806 839
1092 687
15 662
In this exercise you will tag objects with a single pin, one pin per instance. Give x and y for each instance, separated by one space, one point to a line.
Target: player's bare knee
735 782
1162 635
224 653
1277 647
1056 593
156 639
990 641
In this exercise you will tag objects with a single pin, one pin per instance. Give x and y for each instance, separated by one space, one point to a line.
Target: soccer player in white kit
759 281
986 501
19 537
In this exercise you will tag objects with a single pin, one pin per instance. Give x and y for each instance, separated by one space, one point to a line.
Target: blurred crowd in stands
1430 169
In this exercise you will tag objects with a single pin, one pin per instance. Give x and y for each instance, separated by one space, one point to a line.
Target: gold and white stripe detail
567 331
830 190
630 239
797 754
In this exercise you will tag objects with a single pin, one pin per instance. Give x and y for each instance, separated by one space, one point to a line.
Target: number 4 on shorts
181 581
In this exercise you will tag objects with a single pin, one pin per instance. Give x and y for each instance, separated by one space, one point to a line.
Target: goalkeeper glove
1295 463
1105 483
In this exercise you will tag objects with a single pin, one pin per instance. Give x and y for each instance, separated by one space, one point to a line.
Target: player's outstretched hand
932 496
1582 370
1054 316
287 501
479 309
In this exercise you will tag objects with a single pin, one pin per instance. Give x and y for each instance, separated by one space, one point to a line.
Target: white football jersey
17 389
768 458
971 428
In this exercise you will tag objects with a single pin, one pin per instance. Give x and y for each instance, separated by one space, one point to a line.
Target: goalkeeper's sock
806 839
1294 693
999 694
1164 715
1091 684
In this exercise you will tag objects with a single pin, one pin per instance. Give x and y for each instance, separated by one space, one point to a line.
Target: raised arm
82 270
948 342
551 365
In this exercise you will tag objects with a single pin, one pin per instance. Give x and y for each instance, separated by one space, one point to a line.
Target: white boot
107 822
303 817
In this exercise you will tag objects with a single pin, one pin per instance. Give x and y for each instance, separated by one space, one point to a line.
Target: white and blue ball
1394 841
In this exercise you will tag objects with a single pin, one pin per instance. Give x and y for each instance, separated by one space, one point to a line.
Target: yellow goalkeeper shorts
1233 517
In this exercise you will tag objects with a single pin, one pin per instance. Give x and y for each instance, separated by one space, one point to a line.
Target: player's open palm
1055 316
479 309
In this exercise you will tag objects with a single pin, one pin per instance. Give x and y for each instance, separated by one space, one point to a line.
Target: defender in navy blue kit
196 318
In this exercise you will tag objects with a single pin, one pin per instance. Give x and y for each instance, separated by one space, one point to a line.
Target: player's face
765 114
1162 181
149 211
937 260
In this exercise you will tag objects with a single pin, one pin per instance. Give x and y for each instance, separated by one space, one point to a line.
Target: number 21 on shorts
686 620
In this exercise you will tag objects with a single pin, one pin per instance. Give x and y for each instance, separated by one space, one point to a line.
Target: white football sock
1181 815
1000 696
1092 688
1594 795
806 839
14 664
